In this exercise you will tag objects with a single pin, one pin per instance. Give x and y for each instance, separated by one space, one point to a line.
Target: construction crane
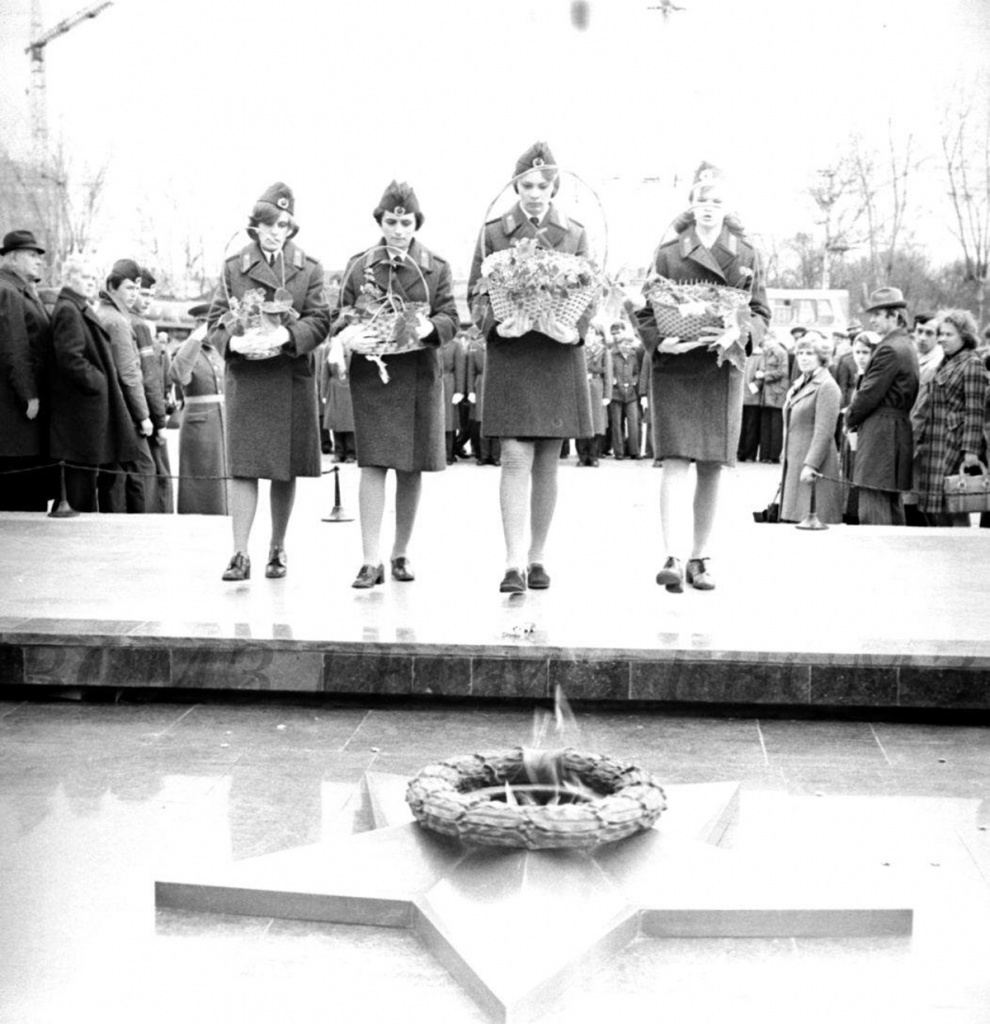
36 51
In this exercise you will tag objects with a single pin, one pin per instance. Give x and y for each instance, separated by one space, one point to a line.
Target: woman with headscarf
535 386
272 416
698 384
398 400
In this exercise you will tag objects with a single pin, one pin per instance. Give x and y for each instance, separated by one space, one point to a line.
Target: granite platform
849 617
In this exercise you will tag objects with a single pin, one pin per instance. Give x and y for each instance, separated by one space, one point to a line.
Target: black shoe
514 582
536 577
369 576
278 563
401 570
671 576
239 568
697 574
594 462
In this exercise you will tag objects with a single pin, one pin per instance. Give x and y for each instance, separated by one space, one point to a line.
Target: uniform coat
199 370
534 386
400 424
476 356
880 410
273 428
811 410
955 420
335 389
697 404
453 361
90 422
598 361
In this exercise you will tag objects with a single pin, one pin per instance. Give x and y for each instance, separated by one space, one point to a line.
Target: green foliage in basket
529 269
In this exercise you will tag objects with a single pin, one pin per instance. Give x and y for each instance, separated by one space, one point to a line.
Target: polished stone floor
847 592
99 799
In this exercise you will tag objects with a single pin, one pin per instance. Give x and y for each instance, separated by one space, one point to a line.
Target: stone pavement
98 800
852 617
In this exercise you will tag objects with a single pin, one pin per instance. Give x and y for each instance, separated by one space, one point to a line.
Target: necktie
535 221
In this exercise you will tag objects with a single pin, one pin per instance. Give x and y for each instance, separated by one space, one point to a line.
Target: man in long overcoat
272 411
880 412
24 338
91 426
136 482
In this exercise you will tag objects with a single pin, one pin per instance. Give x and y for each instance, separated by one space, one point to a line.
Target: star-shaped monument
515 926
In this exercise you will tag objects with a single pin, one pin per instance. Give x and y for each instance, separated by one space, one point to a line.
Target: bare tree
965 138
55 201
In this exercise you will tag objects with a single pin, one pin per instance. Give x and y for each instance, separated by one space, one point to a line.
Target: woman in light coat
811 460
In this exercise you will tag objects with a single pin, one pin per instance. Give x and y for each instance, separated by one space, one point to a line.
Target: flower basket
532 288
390 320
460 797
687 311
254 320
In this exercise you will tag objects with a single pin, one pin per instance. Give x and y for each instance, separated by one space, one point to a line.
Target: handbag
967 493
771 514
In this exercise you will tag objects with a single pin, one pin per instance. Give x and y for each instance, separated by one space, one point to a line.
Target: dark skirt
535 387
399 425
698 416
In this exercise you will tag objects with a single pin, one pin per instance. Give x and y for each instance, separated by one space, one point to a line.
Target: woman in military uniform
697 403
535 388
198 370
398 423
272 416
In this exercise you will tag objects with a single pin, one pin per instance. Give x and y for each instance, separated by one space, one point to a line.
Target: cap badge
282 203
538 161
399 211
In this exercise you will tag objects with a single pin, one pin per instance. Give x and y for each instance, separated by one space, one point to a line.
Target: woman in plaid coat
952 438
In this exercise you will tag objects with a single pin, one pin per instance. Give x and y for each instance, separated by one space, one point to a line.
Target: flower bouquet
689 311
532 288
391 322
257 324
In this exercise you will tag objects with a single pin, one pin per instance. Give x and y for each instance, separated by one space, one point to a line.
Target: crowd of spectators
870 420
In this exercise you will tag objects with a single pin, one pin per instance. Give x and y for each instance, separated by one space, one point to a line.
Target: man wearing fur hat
24 338
880 412
270 388
134 488
536 386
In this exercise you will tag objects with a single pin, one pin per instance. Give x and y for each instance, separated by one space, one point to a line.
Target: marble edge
226 636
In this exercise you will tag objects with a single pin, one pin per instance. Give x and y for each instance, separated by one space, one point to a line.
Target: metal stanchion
338 513
63 510
811 520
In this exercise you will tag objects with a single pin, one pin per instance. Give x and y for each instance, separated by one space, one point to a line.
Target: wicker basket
381 325
537 306
457 798
673 323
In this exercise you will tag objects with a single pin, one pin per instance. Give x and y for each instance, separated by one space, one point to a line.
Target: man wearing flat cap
24 340
880 412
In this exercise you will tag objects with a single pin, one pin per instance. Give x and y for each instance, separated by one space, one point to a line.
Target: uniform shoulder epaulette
299 258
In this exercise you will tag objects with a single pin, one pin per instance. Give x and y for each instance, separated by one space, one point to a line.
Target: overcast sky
199 104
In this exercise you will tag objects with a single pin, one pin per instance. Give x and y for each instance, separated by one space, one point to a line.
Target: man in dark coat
272 410
880 412
24 338
91 426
